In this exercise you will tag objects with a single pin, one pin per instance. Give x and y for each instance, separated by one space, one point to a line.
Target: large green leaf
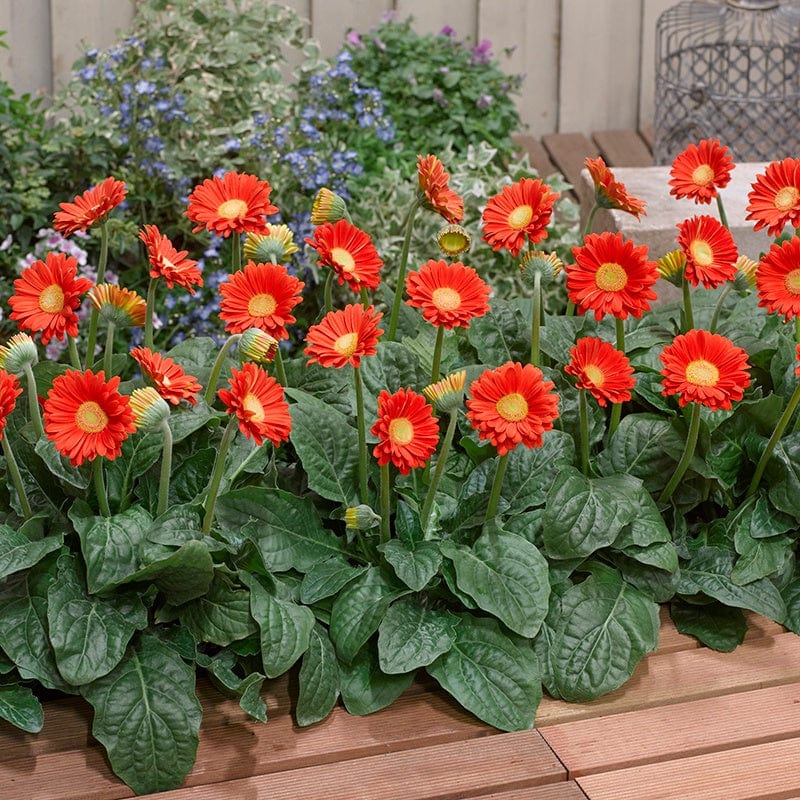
60 466
20 707
784 475
490 674
139 453
366 688
791 596
326 579
415 564
393 367
759 558
18 552
147 717
319 679
715 625
501 335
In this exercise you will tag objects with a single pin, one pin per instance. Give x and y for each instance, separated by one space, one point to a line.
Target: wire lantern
728 69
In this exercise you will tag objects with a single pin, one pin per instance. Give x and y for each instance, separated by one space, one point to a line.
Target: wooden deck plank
568 790
619 741
442 772
761 772
568 152
623 148
539 157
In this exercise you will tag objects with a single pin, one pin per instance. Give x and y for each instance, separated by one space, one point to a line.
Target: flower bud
276 246
150 409
537 262
671 267
258 345
121 307
453 240
328 207
746 270
361 518
448 393
18 352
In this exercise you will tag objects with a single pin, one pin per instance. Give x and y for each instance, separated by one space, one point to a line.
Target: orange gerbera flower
449 295
602 369
260 296
778 279
89 207
256 398
120 306
609 192
406 428
701 170
611 276
512 405
775 197
434 185
168 263
46 296
710 251
10 390
706 368
169 378
344 337
521 210
349 252
85 416
234 203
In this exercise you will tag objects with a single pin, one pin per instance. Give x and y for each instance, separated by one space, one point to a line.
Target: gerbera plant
246 510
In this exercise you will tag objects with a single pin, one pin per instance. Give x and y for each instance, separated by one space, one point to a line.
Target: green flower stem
166 469
437 354
74 358
107 362
583 415
570 312
401 275
236 252
148 314
12 468
712 327
616 409
773 440
362 438
686 458
329 292
386 503
497 487
365 298
100 487
590 221
280 372
91 339
215 370
797 329
687 305
723 217
101 266
216 474
33 402
536 318
444 451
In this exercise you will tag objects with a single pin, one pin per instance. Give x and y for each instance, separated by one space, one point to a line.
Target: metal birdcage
729 69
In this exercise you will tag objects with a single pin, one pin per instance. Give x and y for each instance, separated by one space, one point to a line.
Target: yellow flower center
346 344
595 374
90 418
512 407
253 406
401 431
611 277
261 305
702 175
51 300
787 198
702 373
446 299
701 252
232 209
520 217
343 258
792 282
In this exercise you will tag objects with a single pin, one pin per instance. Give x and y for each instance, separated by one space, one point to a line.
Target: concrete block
657 229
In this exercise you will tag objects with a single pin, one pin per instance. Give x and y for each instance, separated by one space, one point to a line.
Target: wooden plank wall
588 64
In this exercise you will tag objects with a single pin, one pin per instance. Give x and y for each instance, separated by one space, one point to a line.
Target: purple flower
482 52
448 31
438 97
353 38
484 101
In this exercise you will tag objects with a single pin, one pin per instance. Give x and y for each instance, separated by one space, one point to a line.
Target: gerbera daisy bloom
344 337
406 428
706 368
701 170
349 252
328 207
611 193
710 251
512 405
448 393
260 296
122 307
256 398
521 210
234 203
10 390
611 276
274 246
775 197
169 378
89 207
671 266
449 295
434 186
46 296
778 279
168 263
85 416
601 369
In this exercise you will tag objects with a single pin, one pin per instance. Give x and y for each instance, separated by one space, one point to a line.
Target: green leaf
20 707
501 335
765 521
250 699
286 529
60 465
392 368
791 596
717 626
507 576
415 565
18 552
365 689
319 679
139 453
326 579
359 609
490 675
759 558
147 717
655 582
412 636
783 474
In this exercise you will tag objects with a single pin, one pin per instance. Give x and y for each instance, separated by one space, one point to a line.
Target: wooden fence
588 64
